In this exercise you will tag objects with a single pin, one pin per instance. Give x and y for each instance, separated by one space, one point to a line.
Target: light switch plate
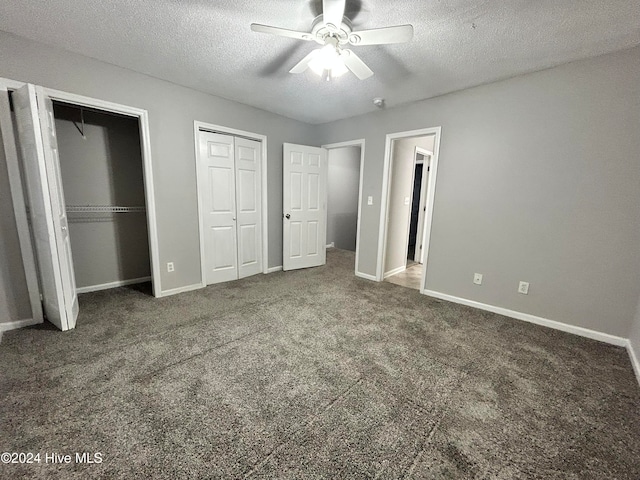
369 200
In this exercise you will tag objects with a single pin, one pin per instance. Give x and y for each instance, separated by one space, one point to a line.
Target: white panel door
248 206
217 173
37 138
304 206
422 212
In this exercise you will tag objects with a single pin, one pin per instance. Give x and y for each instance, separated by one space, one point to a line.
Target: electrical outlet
407 200
523 288
170 267
477 278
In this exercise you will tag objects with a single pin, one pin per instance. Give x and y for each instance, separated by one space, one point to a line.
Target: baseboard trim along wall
395 271
175 291
366 276
635 359
106 286
274 269
18 324
583 332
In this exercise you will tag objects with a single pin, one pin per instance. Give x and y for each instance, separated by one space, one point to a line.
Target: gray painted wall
538 180
172 111
104 168
342 196
401 188
14 297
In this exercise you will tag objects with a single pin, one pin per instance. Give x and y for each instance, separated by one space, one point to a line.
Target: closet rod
209 130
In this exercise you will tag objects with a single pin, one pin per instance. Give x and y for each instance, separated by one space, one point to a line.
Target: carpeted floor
314 374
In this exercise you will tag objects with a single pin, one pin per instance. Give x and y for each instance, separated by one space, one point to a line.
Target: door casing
386 186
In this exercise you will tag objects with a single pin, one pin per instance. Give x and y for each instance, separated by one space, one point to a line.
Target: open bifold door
304 204
41 168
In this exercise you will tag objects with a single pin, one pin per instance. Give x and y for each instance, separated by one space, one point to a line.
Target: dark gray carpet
314 374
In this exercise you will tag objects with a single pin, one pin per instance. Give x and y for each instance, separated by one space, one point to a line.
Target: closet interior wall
101 165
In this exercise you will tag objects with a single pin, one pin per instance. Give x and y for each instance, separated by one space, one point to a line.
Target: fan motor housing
319 31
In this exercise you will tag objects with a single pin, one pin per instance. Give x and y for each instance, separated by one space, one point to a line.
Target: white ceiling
208 45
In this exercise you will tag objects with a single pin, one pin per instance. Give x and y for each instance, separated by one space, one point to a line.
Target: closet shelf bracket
81 130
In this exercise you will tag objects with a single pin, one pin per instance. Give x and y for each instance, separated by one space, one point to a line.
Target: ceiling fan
333 30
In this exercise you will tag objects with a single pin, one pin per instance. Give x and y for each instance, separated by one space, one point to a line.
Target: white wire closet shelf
103 209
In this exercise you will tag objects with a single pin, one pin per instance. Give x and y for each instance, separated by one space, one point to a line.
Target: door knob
288 216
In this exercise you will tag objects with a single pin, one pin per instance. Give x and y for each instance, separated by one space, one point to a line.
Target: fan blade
281 32
303 64
355 64
332 12
382 36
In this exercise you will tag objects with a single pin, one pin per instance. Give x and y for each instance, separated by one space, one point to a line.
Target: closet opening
345 162
102 177
81 180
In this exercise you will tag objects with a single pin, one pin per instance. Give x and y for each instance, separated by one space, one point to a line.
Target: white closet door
304 206
36 132
248 206
217 173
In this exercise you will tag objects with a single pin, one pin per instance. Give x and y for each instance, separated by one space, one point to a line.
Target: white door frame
386 184
210 127
28 255
354 143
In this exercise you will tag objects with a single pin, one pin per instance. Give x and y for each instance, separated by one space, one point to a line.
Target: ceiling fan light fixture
333 30
328 60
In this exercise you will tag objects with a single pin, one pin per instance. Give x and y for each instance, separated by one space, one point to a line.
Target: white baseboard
367 276
331 245
18 324
583 332
395 271
106 286
635 359
175 291
274 269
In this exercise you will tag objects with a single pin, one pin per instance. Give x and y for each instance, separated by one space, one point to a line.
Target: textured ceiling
208 45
